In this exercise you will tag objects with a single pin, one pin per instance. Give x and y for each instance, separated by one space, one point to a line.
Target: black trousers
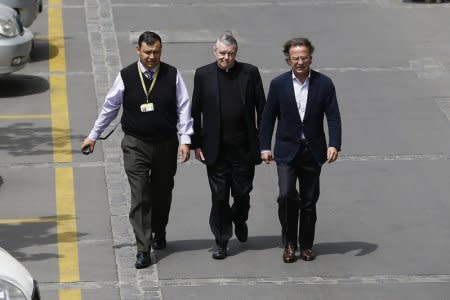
150 168
293 204
232 172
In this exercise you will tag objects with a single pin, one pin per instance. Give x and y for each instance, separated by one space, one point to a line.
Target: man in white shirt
300 99
157 123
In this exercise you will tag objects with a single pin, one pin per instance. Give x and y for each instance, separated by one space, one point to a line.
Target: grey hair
228 39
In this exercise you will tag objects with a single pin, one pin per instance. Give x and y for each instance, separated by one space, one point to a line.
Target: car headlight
9 291
8 28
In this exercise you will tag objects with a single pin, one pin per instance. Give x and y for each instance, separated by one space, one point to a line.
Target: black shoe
159 242
143 260
241 231
219 252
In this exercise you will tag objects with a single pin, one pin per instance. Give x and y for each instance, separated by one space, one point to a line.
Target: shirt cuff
93 135
185 139
265 151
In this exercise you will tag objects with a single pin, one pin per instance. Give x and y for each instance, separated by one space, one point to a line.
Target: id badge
146 107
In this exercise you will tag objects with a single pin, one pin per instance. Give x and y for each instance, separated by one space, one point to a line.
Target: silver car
15 281
27 9
15 41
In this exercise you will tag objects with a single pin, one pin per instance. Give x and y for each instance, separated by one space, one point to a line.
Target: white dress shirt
114 100
301 95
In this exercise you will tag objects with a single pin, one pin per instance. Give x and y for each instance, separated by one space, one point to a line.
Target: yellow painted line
24 117
66 227
70 294
62 145
27 221
62 153
56 36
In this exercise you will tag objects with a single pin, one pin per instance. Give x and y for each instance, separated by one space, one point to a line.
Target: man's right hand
88 143
266 156
199 154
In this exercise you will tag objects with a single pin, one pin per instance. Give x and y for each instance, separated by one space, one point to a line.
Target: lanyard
143 83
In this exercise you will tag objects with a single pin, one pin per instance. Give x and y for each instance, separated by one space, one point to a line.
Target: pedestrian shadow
259 243
425 1
262 243
19 85
188 245
253 244
362 248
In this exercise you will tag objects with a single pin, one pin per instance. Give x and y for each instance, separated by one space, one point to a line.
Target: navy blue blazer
281 106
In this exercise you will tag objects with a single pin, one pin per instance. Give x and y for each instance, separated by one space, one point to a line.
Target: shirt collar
143 68
233 67
307 78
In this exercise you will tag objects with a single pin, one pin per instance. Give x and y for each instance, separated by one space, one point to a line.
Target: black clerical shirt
232 110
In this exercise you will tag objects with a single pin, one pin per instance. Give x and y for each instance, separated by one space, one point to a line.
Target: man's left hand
185 152
332 154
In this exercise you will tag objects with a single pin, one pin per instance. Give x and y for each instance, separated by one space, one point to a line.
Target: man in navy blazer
300 100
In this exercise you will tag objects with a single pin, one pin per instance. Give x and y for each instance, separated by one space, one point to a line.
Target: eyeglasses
300 58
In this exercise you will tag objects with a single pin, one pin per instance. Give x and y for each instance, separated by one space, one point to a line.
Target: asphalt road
383 229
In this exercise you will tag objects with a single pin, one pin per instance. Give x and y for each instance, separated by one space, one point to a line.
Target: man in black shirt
226 96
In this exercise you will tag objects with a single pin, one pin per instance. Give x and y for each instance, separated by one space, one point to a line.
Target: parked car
16 283
15 42
27 9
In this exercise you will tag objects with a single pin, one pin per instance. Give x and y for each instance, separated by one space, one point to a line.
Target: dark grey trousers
150 168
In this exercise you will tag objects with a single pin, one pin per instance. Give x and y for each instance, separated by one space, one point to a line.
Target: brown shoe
307 255
289 254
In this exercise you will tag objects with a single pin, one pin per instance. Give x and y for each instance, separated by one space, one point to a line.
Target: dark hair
300 41
149 37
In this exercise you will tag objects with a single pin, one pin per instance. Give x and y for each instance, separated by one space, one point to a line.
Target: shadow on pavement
425 1
42 50
22 85
25 138
263 243
363 248
17 238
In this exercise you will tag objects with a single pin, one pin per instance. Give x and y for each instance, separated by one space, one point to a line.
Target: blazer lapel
292 102
243 79
214 82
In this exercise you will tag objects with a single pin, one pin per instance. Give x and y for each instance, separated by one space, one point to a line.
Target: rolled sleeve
185 123
110 108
